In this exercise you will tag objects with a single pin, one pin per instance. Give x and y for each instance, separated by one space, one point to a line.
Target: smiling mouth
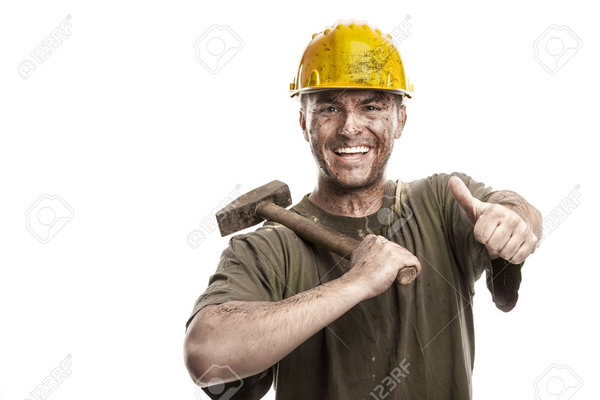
351 151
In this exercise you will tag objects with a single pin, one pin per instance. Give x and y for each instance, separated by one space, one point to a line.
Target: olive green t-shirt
409 342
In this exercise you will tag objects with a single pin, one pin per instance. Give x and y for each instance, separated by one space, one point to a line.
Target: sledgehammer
268 202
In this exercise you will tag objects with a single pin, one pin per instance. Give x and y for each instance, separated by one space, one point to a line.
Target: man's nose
352 125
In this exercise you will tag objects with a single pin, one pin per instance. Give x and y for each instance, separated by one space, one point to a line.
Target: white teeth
357 149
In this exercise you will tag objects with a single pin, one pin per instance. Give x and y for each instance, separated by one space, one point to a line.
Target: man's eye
329 109
372 108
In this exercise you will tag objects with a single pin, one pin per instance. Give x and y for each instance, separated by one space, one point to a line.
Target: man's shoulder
272 246
435 182
270 237
438 177
432 189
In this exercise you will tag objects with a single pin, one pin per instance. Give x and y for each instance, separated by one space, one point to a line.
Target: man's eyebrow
333 100
327 100
371 99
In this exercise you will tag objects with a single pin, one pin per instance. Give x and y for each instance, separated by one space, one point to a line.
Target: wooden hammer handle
320 235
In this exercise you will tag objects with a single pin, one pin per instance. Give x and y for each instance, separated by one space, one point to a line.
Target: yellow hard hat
353 56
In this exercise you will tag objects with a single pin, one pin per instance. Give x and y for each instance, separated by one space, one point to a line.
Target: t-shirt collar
352 225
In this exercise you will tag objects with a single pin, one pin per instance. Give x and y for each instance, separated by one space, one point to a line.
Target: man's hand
503 232
376 262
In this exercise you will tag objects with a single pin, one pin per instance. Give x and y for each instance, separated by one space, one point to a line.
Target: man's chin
353 182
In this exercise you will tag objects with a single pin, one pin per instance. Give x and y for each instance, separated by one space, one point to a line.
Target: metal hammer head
241 213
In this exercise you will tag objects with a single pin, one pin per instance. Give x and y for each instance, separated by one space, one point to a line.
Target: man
282 310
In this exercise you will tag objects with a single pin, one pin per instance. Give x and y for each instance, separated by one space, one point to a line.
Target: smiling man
281 310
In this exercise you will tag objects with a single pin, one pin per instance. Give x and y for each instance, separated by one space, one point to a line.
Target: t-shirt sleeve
502 277
251 268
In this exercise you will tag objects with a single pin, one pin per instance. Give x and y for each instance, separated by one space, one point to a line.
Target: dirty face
351 134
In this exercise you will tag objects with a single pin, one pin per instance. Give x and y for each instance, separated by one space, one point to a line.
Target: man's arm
503 280
250 337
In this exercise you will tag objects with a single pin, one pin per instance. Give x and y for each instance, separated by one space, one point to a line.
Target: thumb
473 207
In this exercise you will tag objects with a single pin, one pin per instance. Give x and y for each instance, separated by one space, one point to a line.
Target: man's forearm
250 337
520 206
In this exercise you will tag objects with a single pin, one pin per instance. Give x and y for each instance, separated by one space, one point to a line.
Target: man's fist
503 232
376 262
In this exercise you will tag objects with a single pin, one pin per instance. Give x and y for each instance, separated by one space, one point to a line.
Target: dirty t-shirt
409 342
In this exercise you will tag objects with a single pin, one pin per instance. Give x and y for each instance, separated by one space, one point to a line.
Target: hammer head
241 213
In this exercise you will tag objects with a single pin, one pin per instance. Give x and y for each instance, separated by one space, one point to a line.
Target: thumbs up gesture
503 232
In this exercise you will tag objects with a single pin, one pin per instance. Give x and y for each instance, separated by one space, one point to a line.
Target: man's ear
303 125
401 121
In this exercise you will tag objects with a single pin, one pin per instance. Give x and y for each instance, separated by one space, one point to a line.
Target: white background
143 142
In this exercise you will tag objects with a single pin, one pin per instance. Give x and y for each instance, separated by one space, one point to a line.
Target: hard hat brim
321 89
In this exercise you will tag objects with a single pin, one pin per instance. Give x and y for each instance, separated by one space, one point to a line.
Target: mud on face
351 133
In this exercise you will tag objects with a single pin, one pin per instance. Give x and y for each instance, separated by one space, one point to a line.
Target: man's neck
348 202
